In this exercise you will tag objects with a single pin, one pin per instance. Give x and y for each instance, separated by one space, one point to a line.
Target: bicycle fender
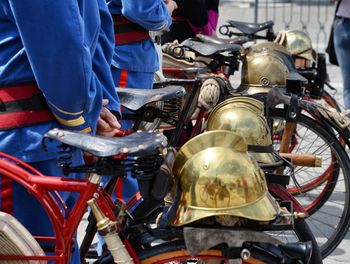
338 119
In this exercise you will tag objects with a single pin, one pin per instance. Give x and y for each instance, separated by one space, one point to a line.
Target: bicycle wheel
322 191
176 252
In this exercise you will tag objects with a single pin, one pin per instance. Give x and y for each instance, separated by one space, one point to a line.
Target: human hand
171 6
107 124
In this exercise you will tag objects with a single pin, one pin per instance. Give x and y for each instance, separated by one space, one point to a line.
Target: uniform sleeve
150 14
59 50
104 56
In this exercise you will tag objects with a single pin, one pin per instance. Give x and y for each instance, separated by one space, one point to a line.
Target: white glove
209 94
176 50
172 48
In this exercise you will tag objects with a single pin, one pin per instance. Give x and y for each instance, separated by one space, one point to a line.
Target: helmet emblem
264 81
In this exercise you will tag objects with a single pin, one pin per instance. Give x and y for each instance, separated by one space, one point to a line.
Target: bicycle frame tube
282 193
64 225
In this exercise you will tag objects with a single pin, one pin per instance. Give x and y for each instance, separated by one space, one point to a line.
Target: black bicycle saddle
215 40
250 28
210 49
140 143
134 99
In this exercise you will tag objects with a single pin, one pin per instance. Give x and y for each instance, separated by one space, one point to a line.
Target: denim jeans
342 50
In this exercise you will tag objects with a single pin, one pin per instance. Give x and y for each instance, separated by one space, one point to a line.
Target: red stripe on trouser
123 79
122 84
6 195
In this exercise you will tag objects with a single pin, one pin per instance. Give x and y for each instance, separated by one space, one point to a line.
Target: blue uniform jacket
66 47
151 15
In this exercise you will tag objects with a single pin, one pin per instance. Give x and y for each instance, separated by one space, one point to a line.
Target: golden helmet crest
246 122
223 181
298 43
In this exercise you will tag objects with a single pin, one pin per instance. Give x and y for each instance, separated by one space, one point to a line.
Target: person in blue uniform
135 58
57 53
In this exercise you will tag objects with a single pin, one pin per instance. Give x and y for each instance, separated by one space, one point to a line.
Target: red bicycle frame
45 190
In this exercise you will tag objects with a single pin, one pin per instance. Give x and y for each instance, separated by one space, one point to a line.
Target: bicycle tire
168 252
333 191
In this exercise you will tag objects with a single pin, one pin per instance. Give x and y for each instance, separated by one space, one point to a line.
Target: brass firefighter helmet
223 181
277 49
298 43
246 122
216 138
263 69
